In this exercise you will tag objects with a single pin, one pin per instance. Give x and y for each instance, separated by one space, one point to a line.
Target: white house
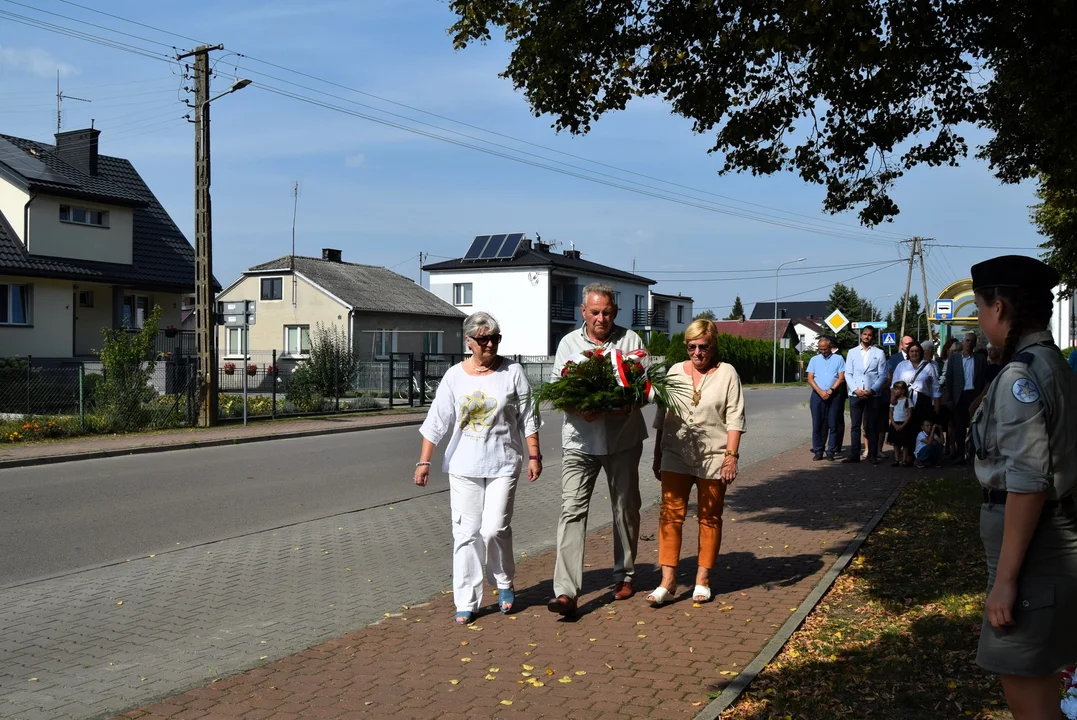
670 314
809 332
534 292
1064 321
84 245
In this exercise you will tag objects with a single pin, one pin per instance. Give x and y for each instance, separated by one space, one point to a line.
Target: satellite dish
533 278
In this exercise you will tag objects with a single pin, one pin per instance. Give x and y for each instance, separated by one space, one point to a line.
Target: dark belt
998 497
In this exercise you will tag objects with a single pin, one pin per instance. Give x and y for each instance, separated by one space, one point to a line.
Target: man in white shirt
866 376
594 442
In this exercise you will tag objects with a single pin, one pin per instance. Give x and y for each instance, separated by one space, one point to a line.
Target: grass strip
895 637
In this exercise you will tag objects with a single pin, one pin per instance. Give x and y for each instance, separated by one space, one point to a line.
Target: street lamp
871 305
774 365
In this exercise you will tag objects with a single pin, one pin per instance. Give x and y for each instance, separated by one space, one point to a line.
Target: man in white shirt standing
592 442
866 376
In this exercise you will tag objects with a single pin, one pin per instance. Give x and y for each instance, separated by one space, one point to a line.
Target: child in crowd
928 446
900 416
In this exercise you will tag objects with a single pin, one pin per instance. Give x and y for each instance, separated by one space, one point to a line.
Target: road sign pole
246 340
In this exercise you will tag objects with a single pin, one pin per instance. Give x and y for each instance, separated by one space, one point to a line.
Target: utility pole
422 260
908 284
927 299
205 325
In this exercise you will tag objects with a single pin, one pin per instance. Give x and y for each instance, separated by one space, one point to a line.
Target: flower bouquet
597 381
1069 693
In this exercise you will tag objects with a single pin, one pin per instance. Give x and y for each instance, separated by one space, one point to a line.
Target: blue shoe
465 617
506 599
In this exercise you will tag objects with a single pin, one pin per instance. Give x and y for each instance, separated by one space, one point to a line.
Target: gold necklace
697 390
478 368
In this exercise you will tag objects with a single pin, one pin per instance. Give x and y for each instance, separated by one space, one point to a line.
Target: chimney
78 148
542 247
743 318
331 255
525 244
574 254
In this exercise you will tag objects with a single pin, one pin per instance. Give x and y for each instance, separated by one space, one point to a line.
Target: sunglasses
485 339
700 348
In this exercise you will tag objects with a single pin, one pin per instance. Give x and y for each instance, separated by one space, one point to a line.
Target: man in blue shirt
1073 358
826 373
866 377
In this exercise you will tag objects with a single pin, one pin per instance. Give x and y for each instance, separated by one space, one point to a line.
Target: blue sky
383 194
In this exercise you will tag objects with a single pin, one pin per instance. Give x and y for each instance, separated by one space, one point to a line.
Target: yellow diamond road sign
836 321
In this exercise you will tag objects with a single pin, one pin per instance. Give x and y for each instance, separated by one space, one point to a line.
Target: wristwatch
534 457
731 454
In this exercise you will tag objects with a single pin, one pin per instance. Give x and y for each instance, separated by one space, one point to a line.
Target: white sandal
702 591
660 596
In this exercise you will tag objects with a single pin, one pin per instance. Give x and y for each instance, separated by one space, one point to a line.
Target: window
15 304
272 288
384 342
233 342
461 294
83 216
86 299
297 339
680 313
136 308
432 342
641 302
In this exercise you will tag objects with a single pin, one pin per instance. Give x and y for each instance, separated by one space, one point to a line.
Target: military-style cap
1014 271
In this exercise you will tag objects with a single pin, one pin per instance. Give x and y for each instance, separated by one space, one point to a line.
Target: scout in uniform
1024 432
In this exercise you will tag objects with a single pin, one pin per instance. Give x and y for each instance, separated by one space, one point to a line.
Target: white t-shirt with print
488 417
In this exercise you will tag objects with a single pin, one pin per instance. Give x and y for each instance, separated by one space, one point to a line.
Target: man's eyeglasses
485 339
699 348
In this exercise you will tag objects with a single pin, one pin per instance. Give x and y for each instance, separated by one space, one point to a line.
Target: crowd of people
1011 409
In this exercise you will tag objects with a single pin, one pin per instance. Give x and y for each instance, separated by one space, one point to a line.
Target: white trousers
482 538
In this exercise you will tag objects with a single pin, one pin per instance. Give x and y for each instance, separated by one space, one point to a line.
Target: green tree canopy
849 95
705 315
915 322
738 310
1055 216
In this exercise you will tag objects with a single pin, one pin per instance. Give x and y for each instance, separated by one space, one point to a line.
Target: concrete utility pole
204 299
908 284
927 298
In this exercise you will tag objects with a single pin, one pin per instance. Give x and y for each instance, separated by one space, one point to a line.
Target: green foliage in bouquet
590 385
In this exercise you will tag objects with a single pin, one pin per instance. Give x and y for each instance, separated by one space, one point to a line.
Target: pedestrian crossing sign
889 339
836 321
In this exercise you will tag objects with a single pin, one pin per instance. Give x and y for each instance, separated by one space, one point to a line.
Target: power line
806 267
88 37
847 228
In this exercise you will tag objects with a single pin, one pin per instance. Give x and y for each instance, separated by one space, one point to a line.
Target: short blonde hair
699 328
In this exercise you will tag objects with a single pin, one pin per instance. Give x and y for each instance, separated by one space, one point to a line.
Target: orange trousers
676 487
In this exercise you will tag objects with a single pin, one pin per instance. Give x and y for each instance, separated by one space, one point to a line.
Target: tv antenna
60 97
291 258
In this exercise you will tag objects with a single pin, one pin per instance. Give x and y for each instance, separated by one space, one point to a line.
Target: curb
195 445
740 683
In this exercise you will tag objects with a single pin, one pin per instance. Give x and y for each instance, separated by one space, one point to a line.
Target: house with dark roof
84 245
809 309
759 330
534 292
379 310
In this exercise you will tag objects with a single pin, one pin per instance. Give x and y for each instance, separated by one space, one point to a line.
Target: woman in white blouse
922 377
484 405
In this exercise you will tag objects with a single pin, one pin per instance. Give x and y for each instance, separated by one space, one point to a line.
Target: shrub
658 344
332 364
29 429
303 391
128 361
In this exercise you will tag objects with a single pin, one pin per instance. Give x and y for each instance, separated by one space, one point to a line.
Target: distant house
379 311
759 330
84 245
809 309
670 314
809 332
534 292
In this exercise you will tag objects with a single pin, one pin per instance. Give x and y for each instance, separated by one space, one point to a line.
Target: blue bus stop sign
889 339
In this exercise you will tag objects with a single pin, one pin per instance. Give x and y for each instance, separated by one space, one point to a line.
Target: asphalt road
58 519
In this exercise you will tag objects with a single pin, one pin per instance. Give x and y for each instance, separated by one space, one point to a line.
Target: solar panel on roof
512 244
492 247
477 246
28 166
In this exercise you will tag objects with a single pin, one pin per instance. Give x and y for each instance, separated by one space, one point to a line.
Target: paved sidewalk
786 521
96 446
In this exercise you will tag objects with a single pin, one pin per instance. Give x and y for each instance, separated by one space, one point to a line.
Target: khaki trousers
578 476
676 487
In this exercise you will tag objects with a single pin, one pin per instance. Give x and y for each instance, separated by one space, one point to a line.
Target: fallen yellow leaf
581 672
464 642
640 622
641 636
565 679
727 608
528 667
592 639
465 659
549 671
120 602
454 682
491 677
526 674
495 669
506 702
695 605
532 644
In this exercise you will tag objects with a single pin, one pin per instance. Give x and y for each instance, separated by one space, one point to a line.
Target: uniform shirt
694 441
606 434
920 381
826 370
865 369
488 417
1024 429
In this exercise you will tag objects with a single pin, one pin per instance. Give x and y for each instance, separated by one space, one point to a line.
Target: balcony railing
650 318
562 312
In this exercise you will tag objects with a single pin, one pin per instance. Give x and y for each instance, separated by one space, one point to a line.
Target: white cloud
354 161
35 61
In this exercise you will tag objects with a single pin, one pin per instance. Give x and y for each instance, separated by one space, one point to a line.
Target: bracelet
735 456
422 462
535 457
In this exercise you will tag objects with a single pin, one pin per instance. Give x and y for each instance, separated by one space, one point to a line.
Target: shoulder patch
1025 390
